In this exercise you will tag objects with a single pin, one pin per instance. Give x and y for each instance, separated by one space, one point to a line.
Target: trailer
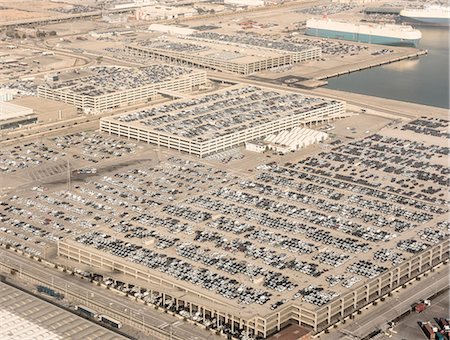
86 311
428 330
110 321
49 291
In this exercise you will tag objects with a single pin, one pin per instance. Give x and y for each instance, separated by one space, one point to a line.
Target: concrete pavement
143 318
374 317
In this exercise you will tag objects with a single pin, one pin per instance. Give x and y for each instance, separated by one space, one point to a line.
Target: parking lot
308 230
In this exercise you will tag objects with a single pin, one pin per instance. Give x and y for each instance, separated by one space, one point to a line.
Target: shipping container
428 330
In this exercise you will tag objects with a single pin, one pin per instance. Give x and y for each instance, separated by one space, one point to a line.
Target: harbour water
424 80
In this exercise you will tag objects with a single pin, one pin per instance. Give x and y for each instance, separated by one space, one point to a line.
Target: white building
172 30
7 94
164 12
293 140
254 146
13 116
244 3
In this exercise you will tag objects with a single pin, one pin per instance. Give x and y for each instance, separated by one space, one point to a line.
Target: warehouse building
100 88
207 124
13 116
25 316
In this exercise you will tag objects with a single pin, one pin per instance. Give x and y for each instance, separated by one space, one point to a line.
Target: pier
363 66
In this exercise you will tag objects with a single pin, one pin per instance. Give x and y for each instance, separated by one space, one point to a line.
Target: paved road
400 302
156 323
393 108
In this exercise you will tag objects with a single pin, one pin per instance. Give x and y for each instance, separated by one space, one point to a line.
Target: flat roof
205 117
251 40
10 111
101 80
27 317
196 48
334 216
311 225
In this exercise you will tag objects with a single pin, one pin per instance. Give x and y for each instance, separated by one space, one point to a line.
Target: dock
364 66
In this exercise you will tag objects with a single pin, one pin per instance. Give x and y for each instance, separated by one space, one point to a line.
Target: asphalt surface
374 317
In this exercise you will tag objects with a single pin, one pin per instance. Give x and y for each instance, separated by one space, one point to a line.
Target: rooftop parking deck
108 79
100 88
251 40
210 55
303 232
223 119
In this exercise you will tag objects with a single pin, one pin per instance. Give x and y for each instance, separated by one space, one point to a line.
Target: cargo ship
431 15
398 35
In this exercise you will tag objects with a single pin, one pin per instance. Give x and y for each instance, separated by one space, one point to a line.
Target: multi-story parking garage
101 88
210 55
305 239
206 124
299 52
259 321
218 56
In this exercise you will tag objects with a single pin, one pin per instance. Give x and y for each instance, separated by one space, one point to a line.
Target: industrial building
24 316
13 116
171 29
210 123
208 55
161 12
100 88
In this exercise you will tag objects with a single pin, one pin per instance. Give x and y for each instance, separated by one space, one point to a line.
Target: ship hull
358 37
427 21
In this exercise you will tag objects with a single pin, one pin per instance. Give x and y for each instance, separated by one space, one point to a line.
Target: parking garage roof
101 80
221 52
206 117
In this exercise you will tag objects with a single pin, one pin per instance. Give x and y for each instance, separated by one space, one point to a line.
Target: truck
420 307
428 330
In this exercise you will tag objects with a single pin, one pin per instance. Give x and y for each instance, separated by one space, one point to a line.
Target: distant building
255 146
25 316
169 29
13 116
7 94
244 3
115 18
164 12
133 4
